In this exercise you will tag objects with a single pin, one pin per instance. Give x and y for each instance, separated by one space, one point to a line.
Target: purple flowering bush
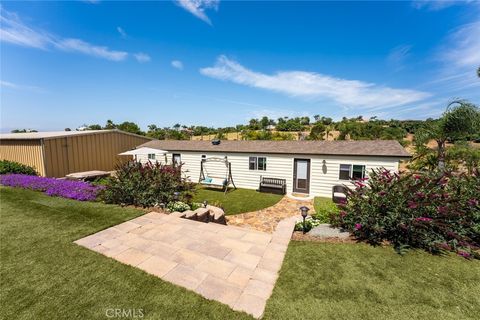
437 212
77 190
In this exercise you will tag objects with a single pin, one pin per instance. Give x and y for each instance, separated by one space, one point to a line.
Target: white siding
323 176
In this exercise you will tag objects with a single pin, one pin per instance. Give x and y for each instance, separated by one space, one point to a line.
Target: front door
301 175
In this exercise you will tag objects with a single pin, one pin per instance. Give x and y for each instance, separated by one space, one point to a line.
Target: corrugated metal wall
28 152
78 153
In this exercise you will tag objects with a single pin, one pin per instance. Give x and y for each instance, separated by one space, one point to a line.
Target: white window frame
151 156
255 163
350 171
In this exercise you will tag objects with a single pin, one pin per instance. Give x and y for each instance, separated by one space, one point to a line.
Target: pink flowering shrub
432 211
77 190
147 185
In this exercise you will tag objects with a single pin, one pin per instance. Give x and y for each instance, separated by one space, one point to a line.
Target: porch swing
217 182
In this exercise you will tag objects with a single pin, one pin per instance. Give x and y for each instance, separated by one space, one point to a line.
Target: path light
304 212
162 206
205 203
176 194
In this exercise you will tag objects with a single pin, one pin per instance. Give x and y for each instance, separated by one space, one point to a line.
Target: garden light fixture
205 203
176 195
304 212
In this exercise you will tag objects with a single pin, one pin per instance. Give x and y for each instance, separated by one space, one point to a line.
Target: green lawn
239 200
323 208
357 281
46 276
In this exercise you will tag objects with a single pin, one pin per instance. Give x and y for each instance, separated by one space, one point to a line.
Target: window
344 172
252 163
348 171
257 163
177 159
151 156
262 163
358 172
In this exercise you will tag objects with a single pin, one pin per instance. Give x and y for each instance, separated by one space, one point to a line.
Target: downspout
44 163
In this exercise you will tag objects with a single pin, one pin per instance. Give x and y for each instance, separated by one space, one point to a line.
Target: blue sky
218 63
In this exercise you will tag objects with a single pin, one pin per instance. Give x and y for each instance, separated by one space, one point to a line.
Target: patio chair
339 194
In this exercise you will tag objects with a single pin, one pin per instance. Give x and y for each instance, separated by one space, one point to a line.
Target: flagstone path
267 219
233 265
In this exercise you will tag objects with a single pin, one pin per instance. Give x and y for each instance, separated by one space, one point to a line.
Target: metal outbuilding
56 154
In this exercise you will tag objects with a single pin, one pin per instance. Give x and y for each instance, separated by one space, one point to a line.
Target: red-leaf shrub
146 185
433 211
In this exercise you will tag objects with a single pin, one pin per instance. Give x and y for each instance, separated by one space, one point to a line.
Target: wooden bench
273 185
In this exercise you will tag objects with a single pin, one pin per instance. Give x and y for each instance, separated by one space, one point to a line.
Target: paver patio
236 266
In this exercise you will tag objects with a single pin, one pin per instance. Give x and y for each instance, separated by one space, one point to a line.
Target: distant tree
130 127
264 122
94 127
110 125
478 72
176 126
317 132
316 117
22 130
458 122
68 129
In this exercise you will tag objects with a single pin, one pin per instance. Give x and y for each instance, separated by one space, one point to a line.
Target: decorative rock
202 214
327 231
179 214
192 215
219 217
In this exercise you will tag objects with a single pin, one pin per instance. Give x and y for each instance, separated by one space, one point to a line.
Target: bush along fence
7 167
434 211
77 190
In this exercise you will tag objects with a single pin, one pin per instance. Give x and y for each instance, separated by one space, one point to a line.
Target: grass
237 201
357 281
46 276
323 208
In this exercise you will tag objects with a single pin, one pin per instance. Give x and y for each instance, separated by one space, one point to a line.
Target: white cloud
177 64
122 32
198 7
12 30
77 45
397 56
435 5
142 57
311 85
462 47
11 85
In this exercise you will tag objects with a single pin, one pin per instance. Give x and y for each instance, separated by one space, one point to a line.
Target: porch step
300 195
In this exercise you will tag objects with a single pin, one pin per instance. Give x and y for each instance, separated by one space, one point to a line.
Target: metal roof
57 134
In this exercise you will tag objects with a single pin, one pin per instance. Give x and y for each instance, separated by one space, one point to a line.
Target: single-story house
308 167
58 153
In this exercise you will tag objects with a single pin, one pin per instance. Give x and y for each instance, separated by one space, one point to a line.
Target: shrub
77 190
310 223
434 211
147 185
178 206
7 167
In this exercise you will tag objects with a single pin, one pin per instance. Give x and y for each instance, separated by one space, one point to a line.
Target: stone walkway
233 265
267 219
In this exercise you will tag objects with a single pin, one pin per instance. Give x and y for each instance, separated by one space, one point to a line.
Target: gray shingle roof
388 148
